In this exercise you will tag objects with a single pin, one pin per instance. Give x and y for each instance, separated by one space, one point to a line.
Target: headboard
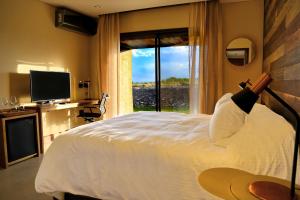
282 53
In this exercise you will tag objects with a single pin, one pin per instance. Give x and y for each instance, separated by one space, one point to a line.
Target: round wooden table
233 184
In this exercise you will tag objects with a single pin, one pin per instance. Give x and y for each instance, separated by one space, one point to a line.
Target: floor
17 181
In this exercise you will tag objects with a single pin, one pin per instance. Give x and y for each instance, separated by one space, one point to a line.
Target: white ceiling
98 7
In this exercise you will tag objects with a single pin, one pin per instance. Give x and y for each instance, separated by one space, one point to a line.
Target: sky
174 63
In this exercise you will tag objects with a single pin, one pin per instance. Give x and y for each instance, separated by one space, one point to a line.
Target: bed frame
69 196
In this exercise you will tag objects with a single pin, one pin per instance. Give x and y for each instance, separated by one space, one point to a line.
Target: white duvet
142 156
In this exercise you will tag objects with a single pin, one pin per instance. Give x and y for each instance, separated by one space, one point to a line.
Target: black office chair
90 115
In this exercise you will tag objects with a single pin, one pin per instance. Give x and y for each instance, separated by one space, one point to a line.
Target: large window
159 69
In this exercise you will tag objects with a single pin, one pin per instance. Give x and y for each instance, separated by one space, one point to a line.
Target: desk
232 184
52 108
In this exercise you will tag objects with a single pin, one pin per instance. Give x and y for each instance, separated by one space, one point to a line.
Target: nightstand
232 184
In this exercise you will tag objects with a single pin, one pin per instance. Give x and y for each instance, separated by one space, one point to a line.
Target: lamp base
265 190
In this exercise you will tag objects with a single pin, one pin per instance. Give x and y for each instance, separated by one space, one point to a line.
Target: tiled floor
17 181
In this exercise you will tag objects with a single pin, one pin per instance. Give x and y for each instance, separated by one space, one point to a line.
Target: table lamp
245 100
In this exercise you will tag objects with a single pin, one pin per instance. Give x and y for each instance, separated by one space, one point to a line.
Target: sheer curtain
205 35
109 61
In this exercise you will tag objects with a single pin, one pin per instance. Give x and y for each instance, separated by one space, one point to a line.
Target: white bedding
140 156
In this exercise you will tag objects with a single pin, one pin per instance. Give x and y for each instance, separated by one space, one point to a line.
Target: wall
125 83
29 40
94 65
242 19
282 48
155 19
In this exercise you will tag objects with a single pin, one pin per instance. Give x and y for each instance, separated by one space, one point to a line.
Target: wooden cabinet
19 136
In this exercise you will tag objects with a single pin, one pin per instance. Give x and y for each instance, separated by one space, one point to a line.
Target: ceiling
98 7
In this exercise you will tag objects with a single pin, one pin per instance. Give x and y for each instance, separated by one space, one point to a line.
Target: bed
150 155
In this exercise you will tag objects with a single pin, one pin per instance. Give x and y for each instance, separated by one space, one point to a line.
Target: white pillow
264 144
266 118
227 119
261 123
226 97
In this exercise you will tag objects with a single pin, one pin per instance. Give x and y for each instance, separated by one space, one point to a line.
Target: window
159 69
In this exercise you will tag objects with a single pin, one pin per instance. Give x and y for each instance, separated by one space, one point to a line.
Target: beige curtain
109 64
205 35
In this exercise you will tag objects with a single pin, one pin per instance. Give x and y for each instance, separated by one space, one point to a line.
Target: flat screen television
48 86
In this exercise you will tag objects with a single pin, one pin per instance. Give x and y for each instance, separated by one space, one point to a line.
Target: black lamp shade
243 85
245 99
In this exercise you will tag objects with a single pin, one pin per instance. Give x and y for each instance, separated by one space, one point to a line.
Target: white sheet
140 156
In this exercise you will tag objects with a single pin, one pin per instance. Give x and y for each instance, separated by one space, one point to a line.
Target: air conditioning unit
74 21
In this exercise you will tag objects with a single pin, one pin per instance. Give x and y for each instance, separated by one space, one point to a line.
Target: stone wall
175 97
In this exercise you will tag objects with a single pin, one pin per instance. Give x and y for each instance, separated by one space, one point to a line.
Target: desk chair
87 112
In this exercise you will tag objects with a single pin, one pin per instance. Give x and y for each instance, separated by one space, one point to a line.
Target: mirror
240 51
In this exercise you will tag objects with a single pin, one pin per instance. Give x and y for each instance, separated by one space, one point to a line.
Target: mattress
140 156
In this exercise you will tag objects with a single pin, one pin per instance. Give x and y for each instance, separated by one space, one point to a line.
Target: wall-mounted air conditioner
74 21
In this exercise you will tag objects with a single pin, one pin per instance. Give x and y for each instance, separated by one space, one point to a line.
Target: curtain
109 64
205 38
